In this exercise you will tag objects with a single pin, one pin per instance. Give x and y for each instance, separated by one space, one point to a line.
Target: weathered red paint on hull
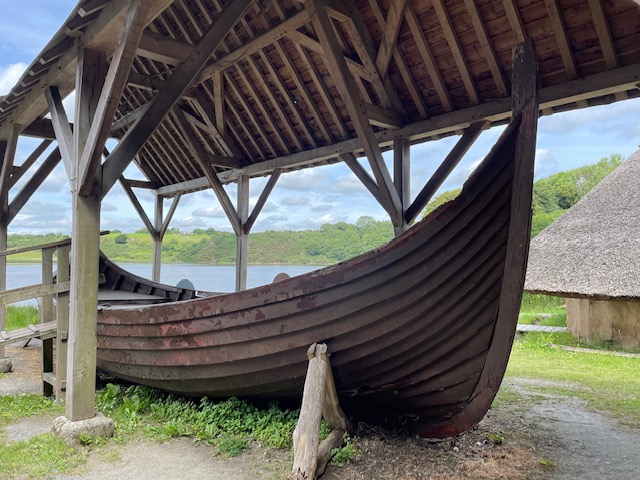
411 327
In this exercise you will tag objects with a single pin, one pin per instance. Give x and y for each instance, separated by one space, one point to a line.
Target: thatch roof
593 250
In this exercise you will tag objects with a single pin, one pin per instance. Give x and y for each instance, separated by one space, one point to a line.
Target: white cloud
305 180
294 200
545 165
10 75
215 211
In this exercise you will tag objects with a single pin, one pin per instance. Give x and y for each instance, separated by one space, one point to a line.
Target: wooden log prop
319 399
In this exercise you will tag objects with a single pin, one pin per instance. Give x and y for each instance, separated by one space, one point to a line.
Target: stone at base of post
5 365
73 432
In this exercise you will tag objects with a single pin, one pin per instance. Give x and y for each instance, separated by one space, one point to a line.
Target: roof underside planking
292 81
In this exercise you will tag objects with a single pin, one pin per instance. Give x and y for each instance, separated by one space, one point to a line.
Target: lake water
212 278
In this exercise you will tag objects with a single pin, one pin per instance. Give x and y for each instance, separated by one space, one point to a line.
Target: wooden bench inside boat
123 297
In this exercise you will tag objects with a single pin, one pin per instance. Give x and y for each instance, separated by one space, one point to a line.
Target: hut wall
616 321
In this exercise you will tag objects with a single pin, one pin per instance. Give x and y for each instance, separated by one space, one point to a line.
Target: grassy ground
543 310
608 383
19 317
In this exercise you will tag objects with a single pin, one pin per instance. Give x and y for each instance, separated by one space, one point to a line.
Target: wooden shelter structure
590 256
200 93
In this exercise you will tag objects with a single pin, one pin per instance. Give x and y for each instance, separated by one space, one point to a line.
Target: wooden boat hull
417 330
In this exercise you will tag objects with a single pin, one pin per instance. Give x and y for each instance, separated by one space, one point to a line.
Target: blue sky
303 199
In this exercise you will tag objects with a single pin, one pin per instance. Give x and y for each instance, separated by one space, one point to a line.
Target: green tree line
332 243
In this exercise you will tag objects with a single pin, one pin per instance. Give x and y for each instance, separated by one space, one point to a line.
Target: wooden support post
157 240
46 315
85 252
402 177
242 240
81 370
319 399
3 277
62 313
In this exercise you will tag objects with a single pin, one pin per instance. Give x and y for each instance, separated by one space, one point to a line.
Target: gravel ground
545 437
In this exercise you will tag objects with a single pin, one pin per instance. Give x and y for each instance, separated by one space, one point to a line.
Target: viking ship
419 330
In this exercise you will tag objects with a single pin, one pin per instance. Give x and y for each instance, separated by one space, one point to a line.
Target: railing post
62 314
46 315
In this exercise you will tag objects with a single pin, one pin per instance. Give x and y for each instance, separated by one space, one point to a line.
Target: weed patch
229 425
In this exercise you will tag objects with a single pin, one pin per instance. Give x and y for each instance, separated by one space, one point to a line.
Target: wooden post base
319 400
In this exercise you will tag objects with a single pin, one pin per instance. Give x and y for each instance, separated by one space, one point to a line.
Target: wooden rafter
322 90
266 111
209 171
129 118
604 33
62 129
234 112
114 84
357 112
355 67
136 204
19 170
269 92
218 103
427 58
91 69
257 126
286 95
366 50
177 84
218 129
456 50
486 45
364 177
513 14
497 111
169 216
293 23
390 36
561 38
99 34
262 199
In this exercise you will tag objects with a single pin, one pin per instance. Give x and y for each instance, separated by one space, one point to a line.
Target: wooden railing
54 317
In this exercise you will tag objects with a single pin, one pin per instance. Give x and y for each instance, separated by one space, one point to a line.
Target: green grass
543 310
606 382
39 456
15 407
20 317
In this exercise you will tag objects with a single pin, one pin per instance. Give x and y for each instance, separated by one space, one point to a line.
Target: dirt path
545 437
588 445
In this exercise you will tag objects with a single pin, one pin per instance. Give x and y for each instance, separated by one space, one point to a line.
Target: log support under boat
319 400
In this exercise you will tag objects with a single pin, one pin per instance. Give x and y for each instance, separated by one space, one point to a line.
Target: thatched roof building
590 255
592 251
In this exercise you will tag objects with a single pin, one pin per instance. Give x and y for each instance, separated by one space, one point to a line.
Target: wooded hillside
332 243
